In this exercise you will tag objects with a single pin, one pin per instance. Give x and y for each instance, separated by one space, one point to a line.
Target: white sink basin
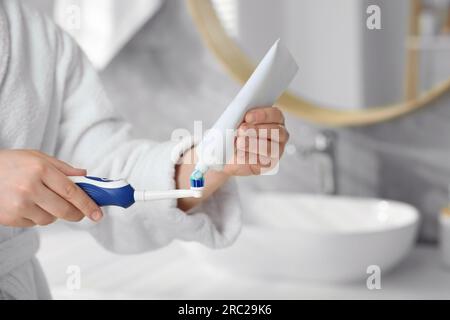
318 237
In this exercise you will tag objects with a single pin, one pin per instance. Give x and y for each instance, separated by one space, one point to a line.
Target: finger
67 169
23 223
255 162
39 216
18 222
62 166
65 188
261 147
271 131
58 207
265 115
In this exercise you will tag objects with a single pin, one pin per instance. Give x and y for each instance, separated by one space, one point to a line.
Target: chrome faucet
322 150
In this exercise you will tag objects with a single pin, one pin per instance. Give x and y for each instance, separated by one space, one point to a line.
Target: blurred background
160 75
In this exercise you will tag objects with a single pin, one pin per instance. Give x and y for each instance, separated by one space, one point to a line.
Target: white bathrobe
51 100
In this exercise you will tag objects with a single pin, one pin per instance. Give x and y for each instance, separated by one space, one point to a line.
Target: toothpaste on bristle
197 180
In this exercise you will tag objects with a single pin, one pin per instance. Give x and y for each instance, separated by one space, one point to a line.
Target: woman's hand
35 190
260 143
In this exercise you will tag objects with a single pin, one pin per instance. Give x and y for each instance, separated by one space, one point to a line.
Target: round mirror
361 62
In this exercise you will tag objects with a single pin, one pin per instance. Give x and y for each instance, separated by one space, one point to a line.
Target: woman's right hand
35 190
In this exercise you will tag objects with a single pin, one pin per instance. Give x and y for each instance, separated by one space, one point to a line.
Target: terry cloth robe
51 100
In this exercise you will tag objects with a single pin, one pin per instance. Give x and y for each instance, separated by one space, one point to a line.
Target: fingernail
96 216
250 117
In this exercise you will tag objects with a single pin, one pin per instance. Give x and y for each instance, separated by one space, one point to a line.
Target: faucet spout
323 152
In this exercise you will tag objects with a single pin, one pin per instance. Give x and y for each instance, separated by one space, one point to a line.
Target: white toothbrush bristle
197 192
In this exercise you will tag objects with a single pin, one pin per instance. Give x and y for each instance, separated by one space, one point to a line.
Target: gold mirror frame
240 67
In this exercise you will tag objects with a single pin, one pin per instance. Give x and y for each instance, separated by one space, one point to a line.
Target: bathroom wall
383 53
165 78
349 66
331 42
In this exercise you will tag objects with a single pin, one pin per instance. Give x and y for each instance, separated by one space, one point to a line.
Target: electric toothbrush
120 193
269 80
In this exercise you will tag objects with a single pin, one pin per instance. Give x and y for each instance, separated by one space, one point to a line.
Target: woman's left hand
260 143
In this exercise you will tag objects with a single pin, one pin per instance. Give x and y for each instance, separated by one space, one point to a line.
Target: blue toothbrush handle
106 192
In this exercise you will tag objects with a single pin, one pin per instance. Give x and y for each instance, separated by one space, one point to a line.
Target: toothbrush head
197 180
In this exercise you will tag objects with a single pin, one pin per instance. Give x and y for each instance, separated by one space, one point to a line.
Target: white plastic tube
269 80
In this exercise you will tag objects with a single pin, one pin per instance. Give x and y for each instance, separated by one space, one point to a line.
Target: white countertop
174 273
